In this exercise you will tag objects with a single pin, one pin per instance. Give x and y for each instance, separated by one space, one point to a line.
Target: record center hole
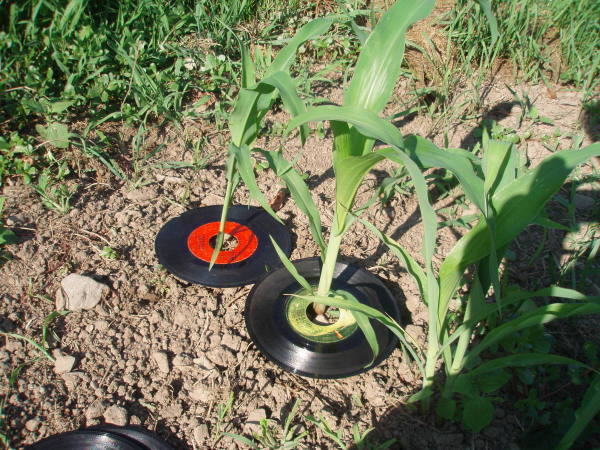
229 242
329 317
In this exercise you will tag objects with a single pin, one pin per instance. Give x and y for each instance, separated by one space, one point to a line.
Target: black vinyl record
184 245
103 437
282 329
87 439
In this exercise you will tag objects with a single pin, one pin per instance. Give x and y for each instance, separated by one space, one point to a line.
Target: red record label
199 242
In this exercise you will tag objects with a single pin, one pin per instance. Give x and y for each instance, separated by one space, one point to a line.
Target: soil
164 353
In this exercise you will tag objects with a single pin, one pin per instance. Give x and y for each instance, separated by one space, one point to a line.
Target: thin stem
331 254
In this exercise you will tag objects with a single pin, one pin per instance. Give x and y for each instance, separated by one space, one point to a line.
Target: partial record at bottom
184 246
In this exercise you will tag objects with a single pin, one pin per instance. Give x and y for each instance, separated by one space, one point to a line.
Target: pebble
63 363
583 201
144 194
201 394
95 410
116 415
32 424
253 421
162 361
201 433
78 292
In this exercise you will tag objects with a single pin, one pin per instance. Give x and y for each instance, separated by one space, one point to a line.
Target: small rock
63 363
32 424
162 361
583 201
135 420
95 410
171 411
253 421
201 433
144 194
78 292
201 394
182 360
116 415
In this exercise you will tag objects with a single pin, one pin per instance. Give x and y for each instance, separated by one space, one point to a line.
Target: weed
271 438
6 236
223 410
360 440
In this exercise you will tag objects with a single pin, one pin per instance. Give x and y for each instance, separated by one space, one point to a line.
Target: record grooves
184 245
284 330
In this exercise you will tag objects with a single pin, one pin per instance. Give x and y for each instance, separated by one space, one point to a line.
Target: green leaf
492 381
427 155
412 267
299 192
59 107
56 134
246 171
252 105
477 414
7 236
287 90
590 407
445 408
291 268
499 164
349 174
364 324
380 60
520 360
538 316
517 205
492 22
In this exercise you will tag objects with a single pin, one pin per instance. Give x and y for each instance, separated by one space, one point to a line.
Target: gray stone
144 194
116 415
162 361
253 421
32 424
95 410
62 363
201 433
78 292
583 201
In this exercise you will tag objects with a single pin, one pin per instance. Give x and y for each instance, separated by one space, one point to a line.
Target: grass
540 40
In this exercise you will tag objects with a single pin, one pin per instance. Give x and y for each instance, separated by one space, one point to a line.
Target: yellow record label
299 320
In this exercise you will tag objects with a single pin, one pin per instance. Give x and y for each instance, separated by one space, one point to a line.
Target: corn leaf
252 105
590 407
291 268
538 316
283 82
246 172
299 192
428 155
363 323
412 267
349 174
521 360
517 205
378 65
512 299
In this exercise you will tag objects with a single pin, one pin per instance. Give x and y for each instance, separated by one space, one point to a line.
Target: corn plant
508 198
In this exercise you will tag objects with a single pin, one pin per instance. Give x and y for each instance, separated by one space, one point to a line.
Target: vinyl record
87 439
184 245
136 433
285 330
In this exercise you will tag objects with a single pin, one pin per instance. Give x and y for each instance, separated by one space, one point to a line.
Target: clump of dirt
164 353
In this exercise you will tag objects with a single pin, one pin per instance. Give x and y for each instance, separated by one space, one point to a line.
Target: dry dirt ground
201 330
